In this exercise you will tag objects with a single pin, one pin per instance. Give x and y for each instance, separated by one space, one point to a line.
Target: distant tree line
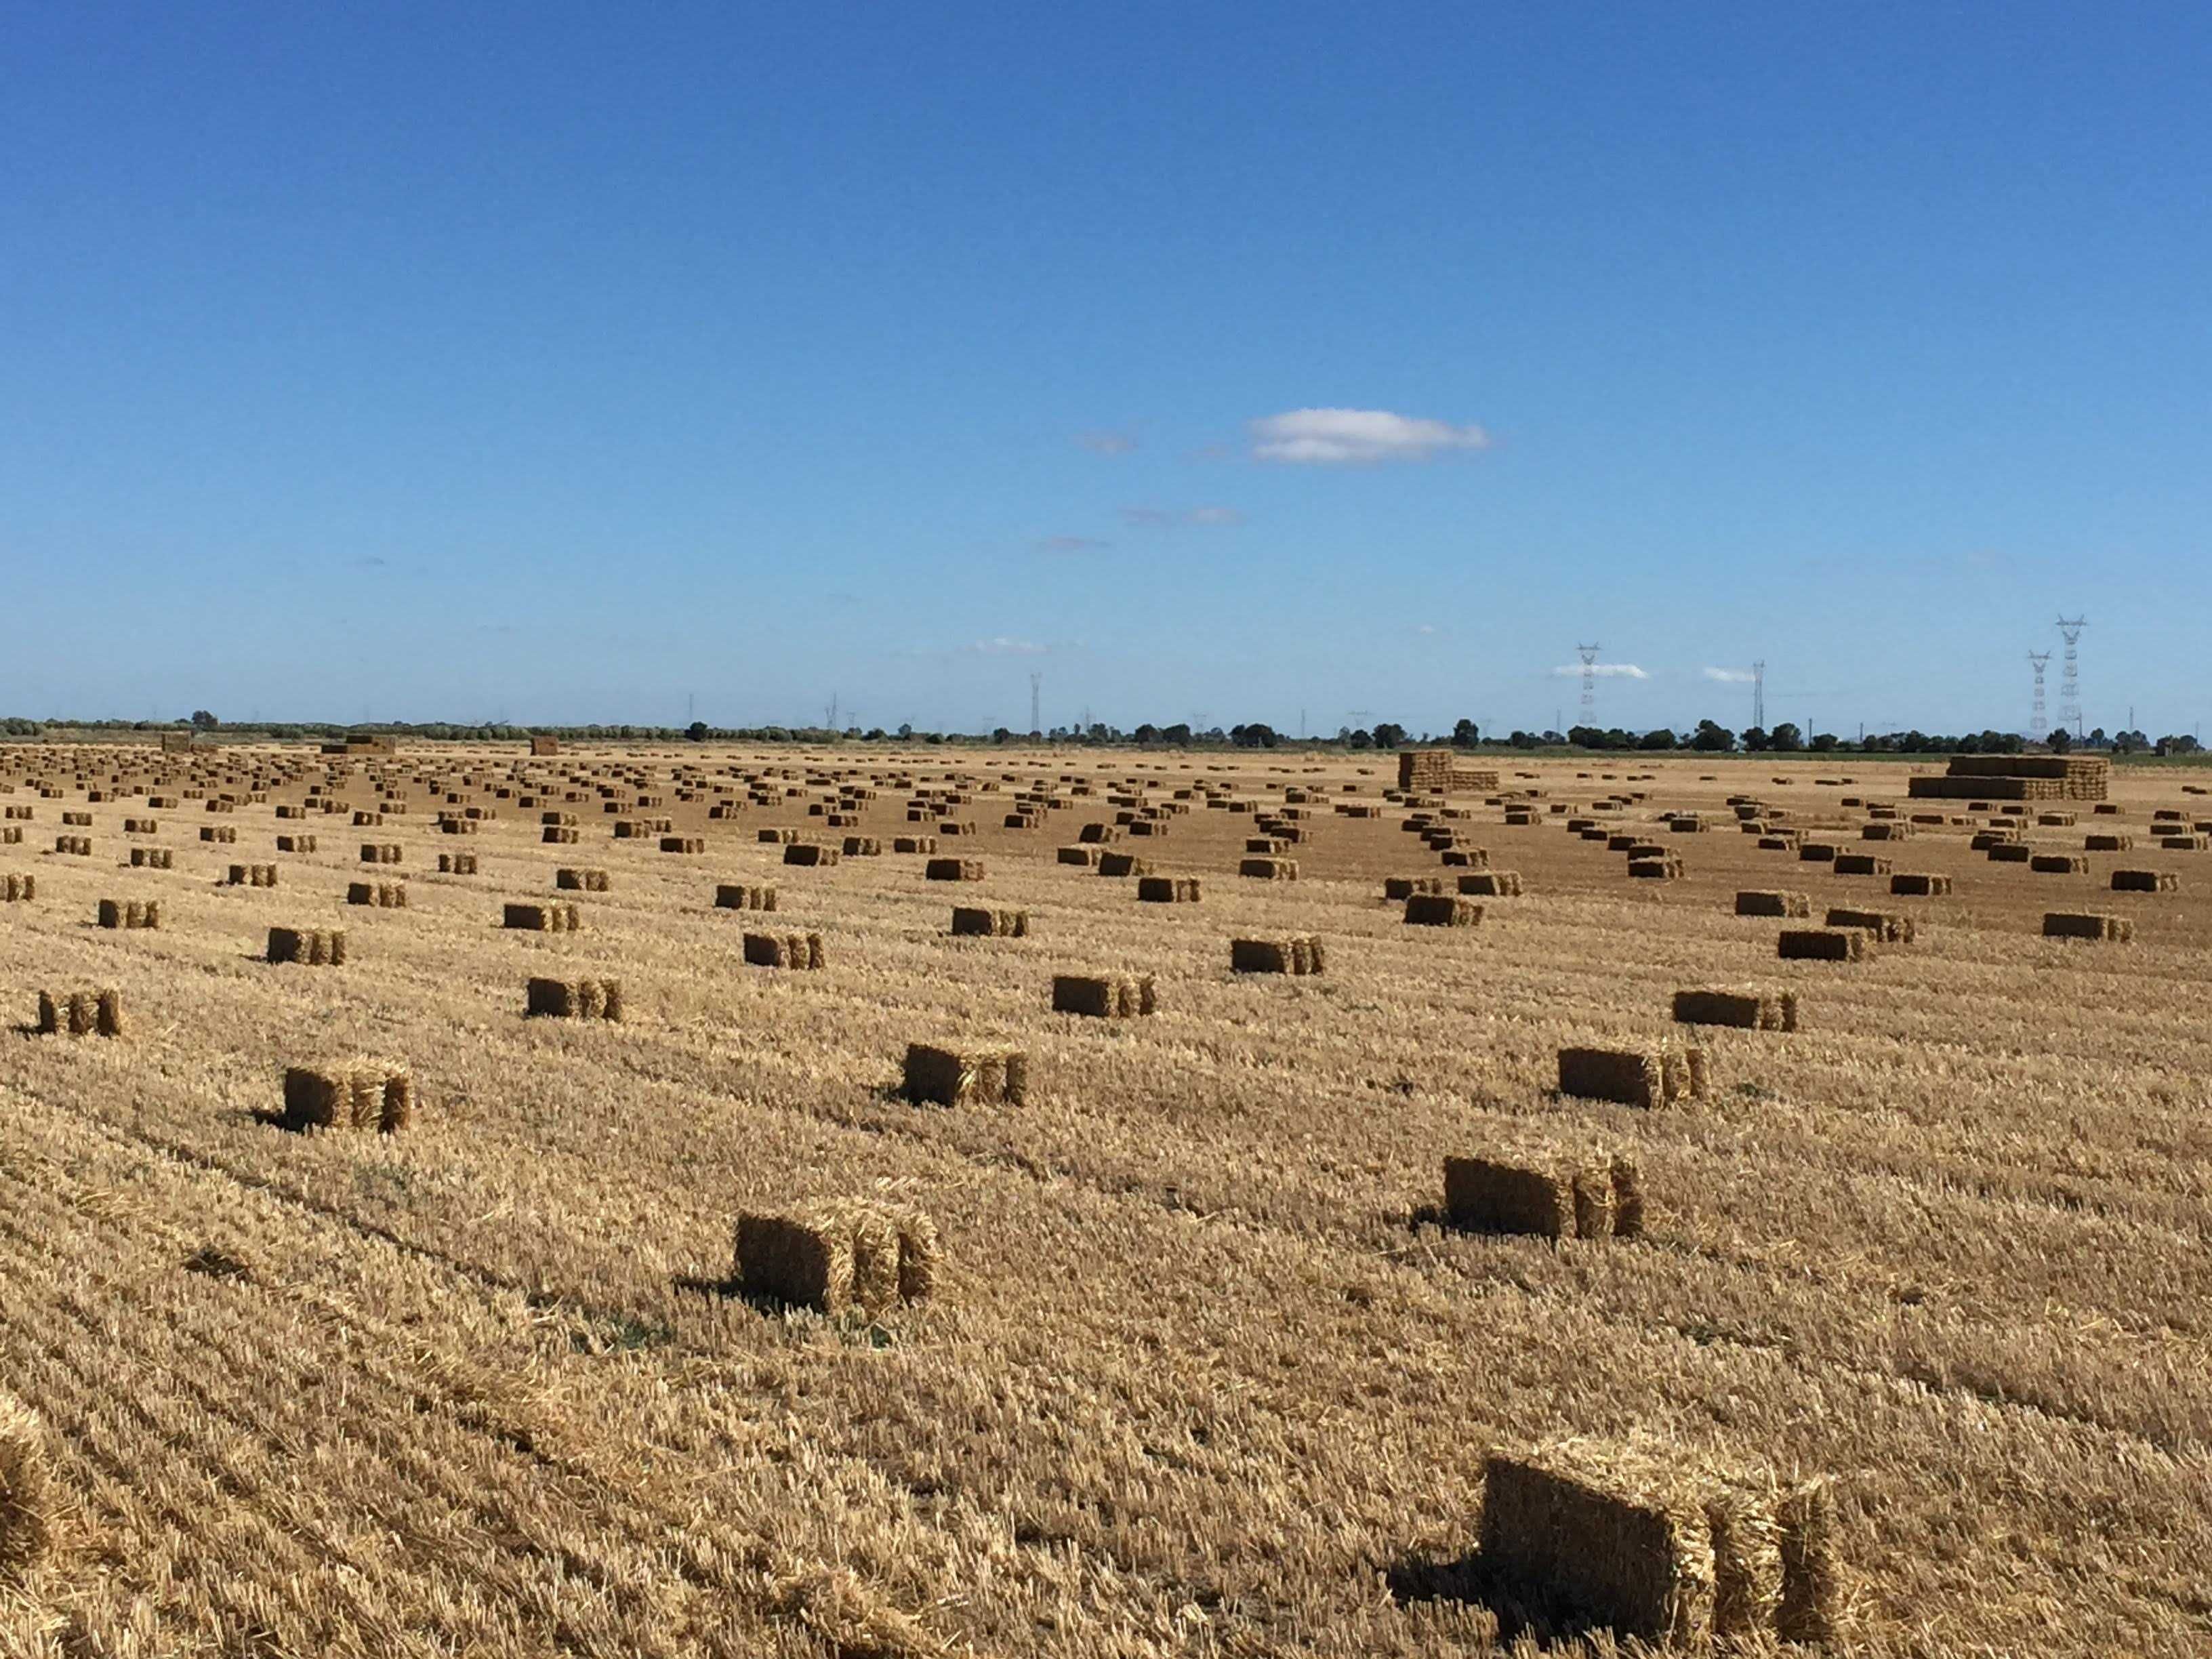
1709 736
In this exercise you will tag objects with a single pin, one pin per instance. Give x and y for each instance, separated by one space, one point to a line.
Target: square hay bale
81 1013
1666 868
863 847
1168 890
2059 864
582 998
2108 843
1491 884
2086 924
745 896
777 837
1816 852
1651 1077
129 913
573 879
13 888
315 947
1549 1196
2145 881
1268 869
953 870
1104 996
1662 1546
698 844
1753 903
1086 857
73 846
560 834
457 864
838 1254
2010 852
1823 945
1295 954
1913 884
955 1077
378 894
1097 834
783 950
1396 889
977 921
927 844
353 1094
379 852
11 835
1887 927
1442 910
284 843
1123 864
28 1498
809 853
1861 864
251 875
1750 1011
542 918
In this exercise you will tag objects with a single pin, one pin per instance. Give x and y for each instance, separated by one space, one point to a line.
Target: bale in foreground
837 1254
1651 1077
354 1094
1661 1547
1104 996
1550 1196
81 1013
950 1077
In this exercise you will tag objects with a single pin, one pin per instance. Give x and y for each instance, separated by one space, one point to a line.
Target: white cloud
1107 443
1426 628
1335 436
1731 676
1003 646
1215 515
1604 670
1071 544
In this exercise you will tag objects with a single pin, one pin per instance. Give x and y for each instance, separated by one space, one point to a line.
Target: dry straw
28 1496
1751 1011
839 1253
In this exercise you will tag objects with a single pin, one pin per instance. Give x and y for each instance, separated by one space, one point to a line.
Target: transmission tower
2037 728
2070 683
1759 694
1036 681
1589 655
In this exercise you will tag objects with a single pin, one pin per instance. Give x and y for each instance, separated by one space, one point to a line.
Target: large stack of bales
1436 772
2017 777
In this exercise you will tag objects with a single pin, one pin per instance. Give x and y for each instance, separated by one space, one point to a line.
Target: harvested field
1206 1366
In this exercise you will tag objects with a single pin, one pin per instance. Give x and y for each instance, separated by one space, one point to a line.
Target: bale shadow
1521 1610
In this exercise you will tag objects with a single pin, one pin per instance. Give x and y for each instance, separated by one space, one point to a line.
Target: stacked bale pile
2017 777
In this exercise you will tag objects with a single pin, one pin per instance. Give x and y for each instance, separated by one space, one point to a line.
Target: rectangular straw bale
809 853
1396 889
1268 869
1886 925
862 847
1862 864
977 922
698 844
1295 954
1822 944
954 1077
2084 924
376 852
81 1013
129 913
284 843
1651 1077
457 864
2108 843
1107 996
1750 1011
582 998
1168 890
1491 884
542 918
15 888
316 947
837 1254
1753 903
745 896
927 844
1442 910
953 870
1620 1548
2059 864
75 846
1122 863
356 1093
783 950
2145 881
575 879
1914 884
560 834
1668 868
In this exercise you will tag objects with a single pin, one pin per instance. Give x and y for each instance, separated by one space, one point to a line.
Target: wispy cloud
1167 518
1339 436
1003 646
1604 670
371 561
1104 442
1070 544
1731 676
1425 628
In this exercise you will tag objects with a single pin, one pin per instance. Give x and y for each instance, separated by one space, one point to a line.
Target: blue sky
566 363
